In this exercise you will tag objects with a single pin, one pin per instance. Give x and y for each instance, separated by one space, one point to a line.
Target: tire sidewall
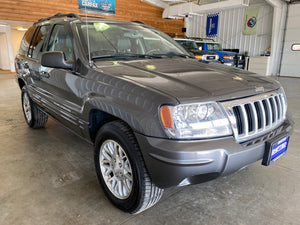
113 133
24 91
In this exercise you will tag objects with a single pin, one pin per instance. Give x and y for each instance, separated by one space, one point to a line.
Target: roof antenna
88 38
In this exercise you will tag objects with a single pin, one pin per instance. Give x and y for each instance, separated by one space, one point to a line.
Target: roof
83 18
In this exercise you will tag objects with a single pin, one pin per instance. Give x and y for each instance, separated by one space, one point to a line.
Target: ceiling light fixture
22 29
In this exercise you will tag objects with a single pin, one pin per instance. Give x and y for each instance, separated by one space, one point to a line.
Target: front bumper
178 163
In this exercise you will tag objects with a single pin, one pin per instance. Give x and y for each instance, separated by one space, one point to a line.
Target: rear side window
36 45
61 40
26 41
296 47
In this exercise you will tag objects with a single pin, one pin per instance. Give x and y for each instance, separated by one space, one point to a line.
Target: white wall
4 57
230 29
290 64
6 49
16 38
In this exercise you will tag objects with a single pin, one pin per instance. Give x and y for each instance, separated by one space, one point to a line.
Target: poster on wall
250 21
101 7
212 25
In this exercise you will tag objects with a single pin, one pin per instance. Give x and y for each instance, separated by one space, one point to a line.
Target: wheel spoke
128 177
111 149
105 161
107 156
120 188
126 186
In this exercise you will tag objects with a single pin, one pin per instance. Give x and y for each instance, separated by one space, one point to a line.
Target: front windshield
116 39
188 44
214 47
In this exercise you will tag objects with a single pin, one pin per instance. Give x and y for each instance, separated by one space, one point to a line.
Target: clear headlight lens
191 121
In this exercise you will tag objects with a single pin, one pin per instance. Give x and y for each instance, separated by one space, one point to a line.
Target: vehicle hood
188 80
196 51
208 53
201 52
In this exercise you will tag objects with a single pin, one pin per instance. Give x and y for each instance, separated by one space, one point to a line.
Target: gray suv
156 116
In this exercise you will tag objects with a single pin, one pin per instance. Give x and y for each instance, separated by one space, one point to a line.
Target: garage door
290 65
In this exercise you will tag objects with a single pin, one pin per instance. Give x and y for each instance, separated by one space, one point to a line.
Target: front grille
209 57
251 117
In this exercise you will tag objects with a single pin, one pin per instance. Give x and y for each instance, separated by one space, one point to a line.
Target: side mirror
55 60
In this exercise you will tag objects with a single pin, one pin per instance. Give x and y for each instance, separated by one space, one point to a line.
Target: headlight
191 121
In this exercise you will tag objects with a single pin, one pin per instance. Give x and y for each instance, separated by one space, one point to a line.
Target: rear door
35 50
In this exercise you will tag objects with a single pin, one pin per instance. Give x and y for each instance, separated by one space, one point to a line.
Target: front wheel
121 171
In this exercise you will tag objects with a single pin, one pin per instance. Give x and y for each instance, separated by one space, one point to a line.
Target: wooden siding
32 10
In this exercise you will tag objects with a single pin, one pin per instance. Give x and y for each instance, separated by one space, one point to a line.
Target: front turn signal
165 116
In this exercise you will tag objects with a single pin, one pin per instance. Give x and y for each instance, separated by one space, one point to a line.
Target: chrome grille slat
255 119
254 116
282 103
263 115
275 110
245 120
269 112
279 106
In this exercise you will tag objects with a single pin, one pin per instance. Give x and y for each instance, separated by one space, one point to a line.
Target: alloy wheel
116 169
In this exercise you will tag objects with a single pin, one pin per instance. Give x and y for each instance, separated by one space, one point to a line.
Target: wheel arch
21 83
98 118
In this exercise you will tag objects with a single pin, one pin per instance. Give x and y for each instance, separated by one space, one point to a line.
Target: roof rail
201 39
138 21
58 15
88 16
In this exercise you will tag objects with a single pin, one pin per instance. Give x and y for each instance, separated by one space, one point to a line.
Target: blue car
225 57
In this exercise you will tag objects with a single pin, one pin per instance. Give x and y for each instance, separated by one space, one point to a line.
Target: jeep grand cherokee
156 116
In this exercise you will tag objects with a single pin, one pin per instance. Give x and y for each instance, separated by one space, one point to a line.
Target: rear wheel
121 171
34 117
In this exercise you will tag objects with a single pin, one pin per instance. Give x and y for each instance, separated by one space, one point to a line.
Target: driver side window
61 40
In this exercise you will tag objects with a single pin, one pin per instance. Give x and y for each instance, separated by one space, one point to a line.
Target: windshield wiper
172 54
125 55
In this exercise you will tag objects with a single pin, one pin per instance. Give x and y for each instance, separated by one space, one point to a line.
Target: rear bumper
178 163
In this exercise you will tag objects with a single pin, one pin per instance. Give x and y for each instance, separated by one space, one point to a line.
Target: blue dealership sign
102 7
212 25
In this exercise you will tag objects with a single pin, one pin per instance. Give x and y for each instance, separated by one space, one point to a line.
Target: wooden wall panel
32 10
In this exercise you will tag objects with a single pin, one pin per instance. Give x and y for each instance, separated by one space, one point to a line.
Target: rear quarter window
26 41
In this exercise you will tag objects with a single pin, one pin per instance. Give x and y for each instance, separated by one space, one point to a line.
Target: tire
138 193
34 117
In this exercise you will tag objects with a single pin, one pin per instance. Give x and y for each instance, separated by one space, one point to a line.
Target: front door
60 86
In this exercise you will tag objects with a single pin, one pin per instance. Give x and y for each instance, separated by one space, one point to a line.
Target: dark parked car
156 117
